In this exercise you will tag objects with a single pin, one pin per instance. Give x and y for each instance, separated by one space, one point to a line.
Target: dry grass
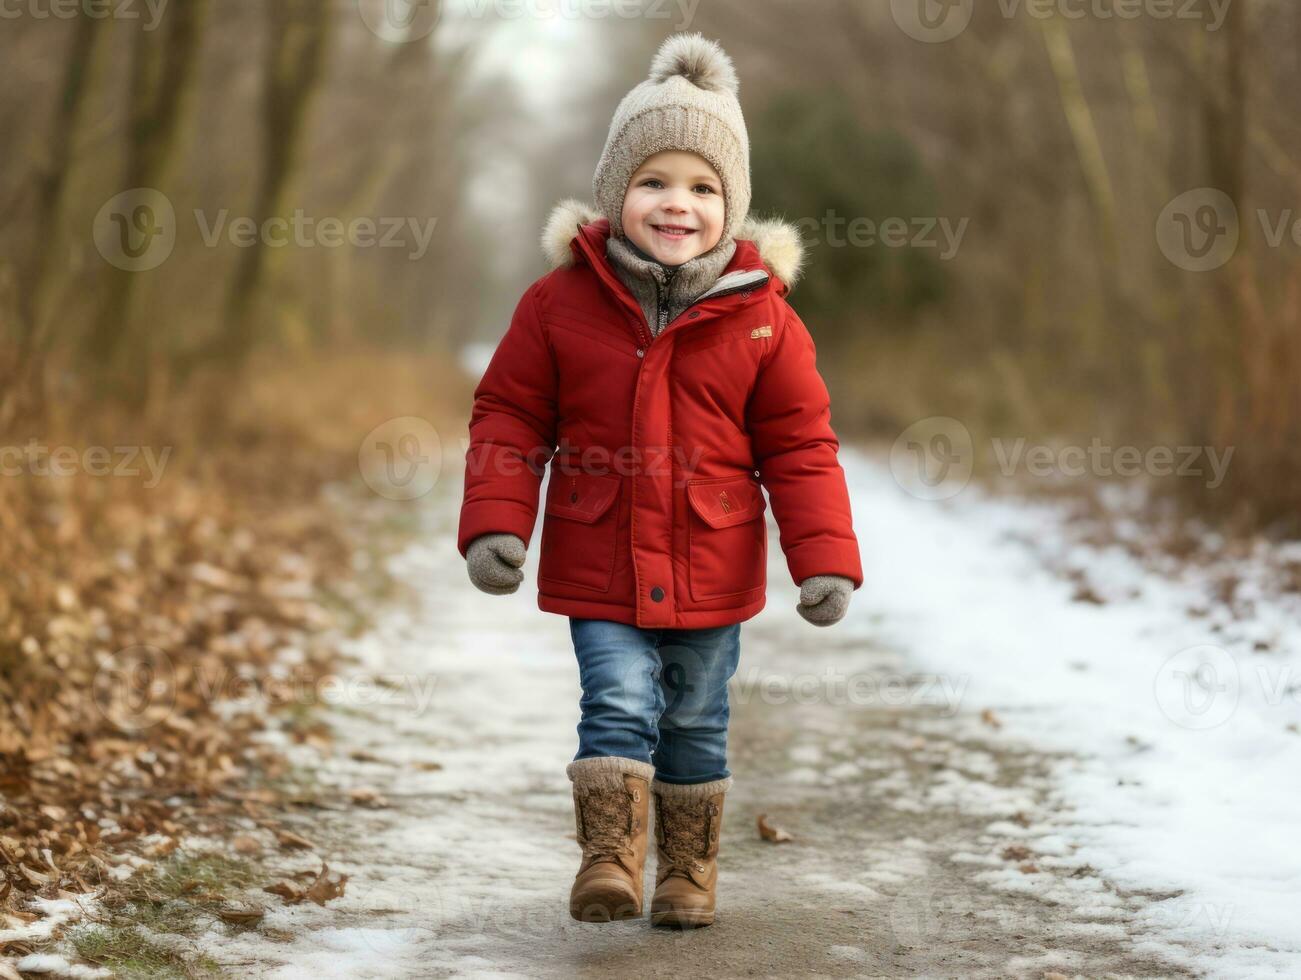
129 606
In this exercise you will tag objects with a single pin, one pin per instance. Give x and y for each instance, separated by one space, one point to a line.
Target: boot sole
682 918
603 902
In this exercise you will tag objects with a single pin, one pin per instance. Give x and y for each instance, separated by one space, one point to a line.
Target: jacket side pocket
579 528
727 537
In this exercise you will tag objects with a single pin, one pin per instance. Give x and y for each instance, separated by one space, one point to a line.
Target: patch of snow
1177 732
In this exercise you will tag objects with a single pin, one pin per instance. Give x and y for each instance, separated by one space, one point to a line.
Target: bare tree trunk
162 78
50 192
1084 131
1224 110
299 32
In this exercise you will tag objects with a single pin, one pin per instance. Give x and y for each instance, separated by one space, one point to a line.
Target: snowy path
963 822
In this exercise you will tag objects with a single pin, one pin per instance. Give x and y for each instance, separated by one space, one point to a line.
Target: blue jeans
656 695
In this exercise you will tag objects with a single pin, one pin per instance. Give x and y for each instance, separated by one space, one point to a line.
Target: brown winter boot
688 824
611 806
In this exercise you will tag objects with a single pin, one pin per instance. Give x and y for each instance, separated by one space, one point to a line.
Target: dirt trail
924 843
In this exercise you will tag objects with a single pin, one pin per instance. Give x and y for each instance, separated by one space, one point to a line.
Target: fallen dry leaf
367 796
990 719
320 891
770 832
323 889
288 839
289 892
1017 852
241 915
245 844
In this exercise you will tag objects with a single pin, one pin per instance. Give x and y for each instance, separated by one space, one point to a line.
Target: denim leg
696 666
619 672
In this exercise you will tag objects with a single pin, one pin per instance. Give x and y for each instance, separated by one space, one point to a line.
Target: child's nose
677 201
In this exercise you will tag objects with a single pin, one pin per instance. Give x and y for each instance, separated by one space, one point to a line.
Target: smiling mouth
674 231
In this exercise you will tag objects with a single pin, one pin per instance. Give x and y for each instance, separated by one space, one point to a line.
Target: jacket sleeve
789 420
512 431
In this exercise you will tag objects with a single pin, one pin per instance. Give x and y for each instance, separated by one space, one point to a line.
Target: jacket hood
777 240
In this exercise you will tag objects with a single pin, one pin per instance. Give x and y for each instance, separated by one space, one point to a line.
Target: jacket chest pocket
727 537
579 529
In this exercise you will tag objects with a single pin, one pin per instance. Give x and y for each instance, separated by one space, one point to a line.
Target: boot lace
607 817
686 829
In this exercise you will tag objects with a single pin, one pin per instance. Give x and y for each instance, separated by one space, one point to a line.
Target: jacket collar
772 244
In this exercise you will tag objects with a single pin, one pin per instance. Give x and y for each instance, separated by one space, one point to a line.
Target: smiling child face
674 207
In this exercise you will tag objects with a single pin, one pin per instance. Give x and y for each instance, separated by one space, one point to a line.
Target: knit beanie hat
688 103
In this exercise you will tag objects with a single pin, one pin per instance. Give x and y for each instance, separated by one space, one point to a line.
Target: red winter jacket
658 446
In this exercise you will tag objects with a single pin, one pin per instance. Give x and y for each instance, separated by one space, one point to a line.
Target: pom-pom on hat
687 103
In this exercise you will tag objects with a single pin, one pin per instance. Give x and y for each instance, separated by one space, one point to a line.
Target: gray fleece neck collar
682 284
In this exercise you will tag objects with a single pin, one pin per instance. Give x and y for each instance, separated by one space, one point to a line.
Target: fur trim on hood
778 241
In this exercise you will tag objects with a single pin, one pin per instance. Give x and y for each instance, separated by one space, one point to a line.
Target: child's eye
705 187
649 180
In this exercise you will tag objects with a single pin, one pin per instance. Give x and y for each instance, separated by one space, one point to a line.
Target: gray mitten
824 599
493 561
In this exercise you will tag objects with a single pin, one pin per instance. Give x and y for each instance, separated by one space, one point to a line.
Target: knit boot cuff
606 772
691 791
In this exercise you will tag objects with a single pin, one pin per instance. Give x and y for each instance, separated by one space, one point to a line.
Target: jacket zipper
663 313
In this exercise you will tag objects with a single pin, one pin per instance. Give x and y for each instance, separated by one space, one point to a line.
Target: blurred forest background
1059 140
417 149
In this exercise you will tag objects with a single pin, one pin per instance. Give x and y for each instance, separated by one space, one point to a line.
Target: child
661 371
